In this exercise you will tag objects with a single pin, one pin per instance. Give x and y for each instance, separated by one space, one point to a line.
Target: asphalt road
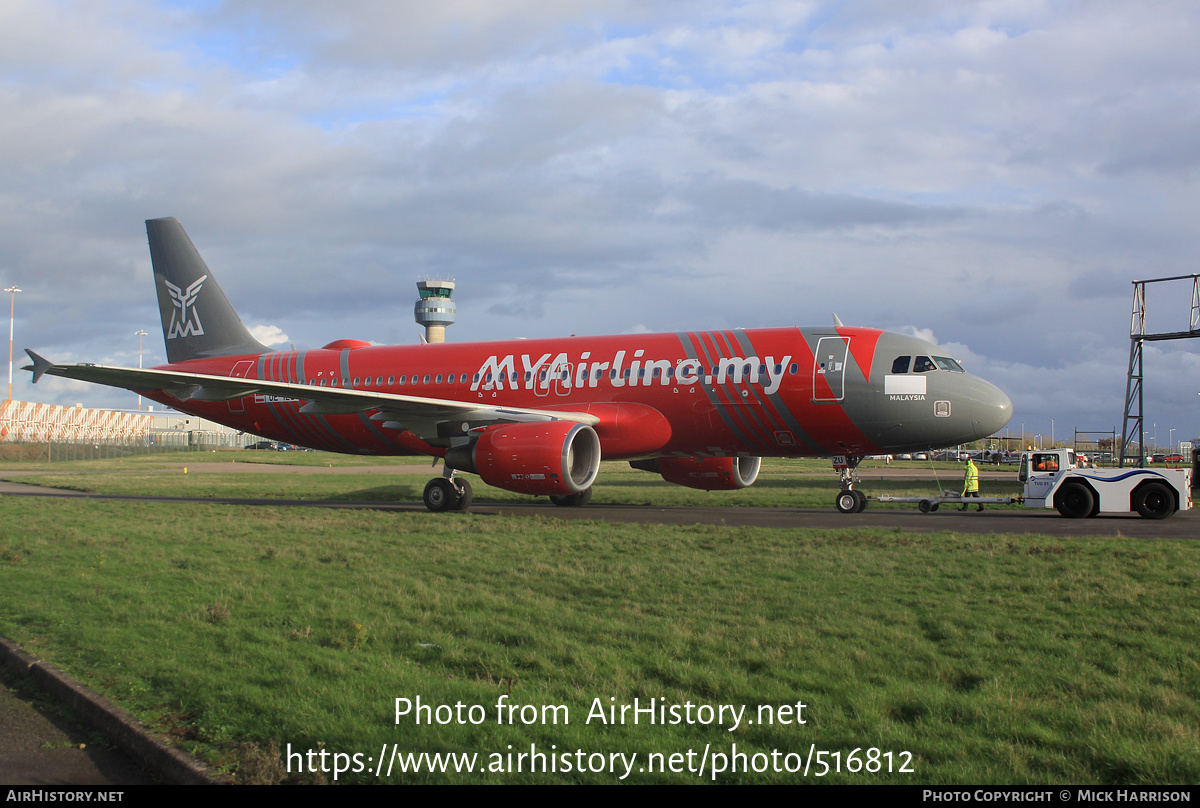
1183 525
43 744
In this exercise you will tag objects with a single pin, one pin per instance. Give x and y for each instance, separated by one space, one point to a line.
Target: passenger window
923 364
439 379
901 364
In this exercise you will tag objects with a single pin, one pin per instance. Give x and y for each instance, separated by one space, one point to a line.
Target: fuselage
775 392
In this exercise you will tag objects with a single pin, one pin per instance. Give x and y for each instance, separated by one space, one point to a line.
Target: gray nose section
991 409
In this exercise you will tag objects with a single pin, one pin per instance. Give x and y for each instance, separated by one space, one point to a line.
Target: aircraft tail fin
197 319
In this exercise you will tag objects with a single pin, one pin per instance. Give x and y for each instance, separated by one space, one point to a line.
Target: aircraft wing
415 413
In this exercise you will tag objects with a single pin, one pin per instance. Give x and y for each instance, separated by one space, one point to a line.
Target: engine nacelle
544 458
706 473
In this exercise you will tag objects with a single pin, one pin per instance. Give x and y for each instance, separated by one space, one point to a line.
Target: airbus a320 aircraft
536 416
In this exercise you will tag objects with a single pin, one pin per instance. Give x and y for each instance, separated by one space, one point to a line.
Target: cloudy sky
992 175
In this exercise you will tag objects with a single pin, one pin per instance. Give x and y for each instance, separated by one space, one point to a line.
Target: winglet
837 321
39 367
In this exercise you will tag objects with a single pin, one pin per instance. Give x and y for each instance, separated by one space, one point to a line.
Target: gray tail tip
39 367
837 321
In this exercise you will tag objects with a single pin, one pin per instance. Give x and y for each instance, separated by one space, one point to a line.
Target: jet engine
545 458
706 473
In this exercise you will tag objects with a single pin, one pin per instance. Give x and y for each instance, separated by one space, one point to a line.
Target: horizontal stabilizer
39 367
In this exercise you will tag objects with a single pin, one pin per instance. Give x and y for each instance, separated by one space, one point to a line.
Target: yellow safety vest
971 480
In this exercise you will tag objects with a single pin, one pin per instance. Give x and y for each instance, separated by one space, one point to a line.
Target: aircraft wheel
1154 501
862 501
463 501
924 506
574 500
847 501
439 495
1075 501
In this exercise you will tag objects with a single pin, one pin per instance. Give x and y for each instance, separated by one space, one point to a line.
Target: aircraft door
240 371
829 369
562 379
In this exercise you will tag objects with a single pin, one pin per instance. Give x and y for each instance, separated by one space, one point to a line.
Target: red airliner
536 416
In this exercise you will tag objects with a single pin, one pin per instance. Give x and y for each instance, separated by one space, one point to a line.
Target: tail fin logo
185 320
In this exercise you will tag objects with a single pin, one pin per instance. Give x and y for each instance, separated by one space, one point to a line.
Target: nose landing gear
849 499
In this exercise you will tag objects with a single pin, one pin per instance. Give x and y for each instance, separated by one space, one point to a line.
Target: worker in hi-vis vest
971 483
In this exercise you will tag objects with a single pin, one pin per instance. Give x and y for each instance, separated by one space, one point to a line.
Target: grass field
241 631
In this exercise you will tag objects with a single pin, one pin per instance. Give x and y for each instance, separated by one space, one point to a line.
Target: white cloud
269 335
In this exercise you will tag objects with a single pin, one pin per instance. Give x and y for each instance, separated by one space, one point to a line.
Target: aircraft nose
991 409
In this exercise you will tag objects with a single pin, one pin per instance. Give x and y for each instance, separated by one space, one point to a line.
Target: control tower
435 310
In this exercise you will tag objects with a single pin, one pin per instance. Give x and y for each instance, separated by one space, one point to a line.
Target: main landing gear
448 493
849 499
453 493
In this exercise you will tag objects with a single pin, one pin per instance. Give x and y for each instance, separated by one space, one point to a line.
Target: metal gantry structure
1134 426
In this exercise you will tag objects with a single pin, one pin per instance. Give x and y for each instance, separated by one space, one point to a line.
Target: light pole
12 309
139 334
1051 433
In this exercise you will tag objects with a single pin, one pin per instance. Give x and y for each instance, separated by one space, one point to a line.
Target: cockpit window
901 364
946 363
923 364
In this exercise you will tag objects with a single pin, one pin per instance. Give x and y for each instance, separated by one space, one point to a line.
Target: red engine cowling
543 458
708 473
